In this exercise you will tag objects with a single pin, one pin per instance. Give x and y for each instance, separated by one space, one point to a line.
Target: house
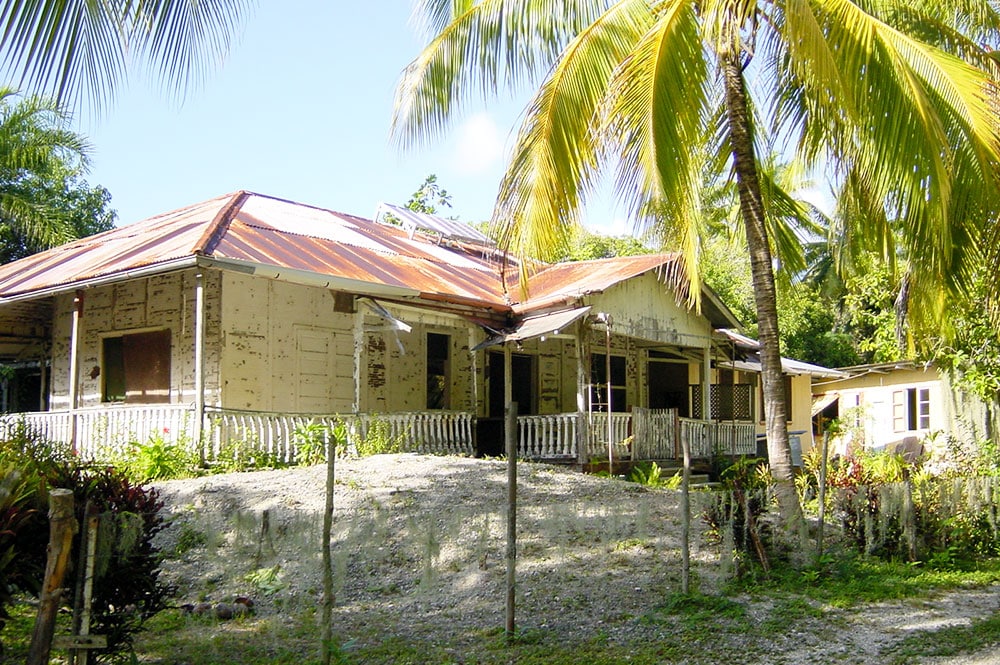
248 316
896 406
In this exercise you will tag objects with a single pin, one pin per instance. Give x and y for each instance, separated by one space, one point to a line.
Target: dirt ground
419 547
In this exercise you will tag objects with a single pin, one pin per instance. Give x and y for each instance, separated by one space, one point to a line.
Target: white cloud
479 145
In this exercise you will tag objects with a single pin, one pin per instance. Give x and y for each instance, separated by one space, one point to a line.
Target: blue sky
301 110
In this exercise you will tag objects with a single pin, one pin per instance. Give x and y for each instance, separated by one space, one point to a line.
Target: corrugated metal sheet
259 230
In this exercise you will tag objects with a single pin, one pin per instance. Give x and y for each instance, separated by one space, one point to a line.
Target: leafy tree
586 245
81 209
429 197
63 48
643 87
42 200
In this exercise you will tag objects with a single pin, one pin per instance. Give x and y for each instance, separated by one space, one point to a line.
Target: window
599 383
731 401
438 346
911 409
136 368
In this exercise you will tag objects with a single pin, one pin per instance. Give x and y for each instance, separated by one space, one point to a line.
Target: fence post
62 526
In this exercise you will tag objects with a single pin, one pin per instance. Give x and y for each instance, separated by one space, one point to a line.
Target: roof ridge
220 223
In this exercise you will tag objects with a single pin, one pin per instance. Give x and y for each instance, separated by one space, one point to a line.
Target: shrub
744 494
311 440
157 459
650 474
128 589
378 440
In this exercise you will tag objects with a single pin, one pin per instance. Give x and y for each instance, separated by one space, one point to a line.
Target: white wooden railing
643 434
726 438
108 430
548 437
621 426
102 431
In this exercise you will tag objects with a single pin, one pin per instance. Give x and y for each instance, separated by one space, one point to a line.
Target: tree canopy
894 96
44 200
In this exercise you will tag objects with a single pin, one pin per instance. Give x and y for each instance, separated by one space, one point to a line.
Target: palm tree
35 144
639 85
62 47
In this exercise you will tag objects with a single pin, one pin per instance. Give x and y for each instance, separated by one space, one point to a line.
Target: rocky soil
419 554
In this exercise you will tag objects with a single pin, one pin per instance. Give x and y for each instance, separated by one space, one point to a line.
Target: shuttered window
136 368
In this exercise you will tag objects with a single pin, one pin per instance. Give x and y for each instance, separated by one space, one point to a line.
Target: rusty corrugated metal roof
257 230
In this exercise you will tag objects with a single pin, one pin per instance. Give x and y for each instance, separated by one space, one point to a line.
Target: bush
378 440
127 589
744 493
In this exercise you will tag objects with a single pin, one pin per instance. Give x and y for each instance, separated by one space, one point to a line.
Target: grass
695 629
947 642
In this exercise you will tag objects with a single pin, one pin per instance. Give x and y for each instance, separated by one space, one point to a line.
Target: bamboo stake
510 443
686 519
822 495
328 599
62 526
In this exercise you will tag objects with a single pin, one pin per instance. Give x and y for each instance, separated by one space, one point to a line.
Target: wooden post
62 526
510 443
74 370
582 381
607 381
686 519
199 364
359 347
822 496
82 627
326 634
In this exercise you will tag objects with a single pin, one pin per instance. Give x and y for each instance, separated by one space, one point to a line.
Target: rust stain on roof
265 231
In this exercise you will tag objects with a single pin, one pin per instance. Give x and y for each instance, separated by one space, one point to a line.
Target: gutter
144 271
245 267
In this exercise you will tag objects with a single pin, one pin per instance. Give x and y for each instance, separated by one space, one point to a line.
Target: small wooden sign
72 642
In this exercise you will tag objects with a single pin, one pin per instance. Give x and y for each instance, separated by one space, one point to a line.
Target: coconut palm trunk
765 295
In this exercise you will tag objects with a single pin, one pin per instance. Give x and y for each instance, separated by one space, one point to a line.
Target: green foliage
312 440
650 475
42 195
809 329
870 312
267 581
128 590
586 245
972 354
245 455
890 509
737 508
947 641
20 521
378 439
725 268
157 459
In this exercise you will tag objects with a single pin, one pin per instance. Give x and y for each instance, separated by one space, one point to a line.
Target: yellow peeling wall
284 348
160 302
394 363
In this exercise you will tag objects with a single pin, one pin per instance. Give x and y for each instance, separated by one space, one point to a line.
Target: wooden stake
510 444
686 519
62 526
328 599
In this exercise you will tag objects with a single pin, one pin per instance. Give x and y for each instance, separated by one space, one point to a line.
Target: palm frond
63 47
554 159
653 125
490 45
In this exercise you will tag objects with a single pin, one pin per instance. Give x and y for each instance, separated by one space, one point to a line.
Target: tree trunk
752 211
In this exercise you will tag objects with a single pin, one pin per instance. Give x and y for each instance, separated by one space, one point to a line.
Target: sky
300 109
